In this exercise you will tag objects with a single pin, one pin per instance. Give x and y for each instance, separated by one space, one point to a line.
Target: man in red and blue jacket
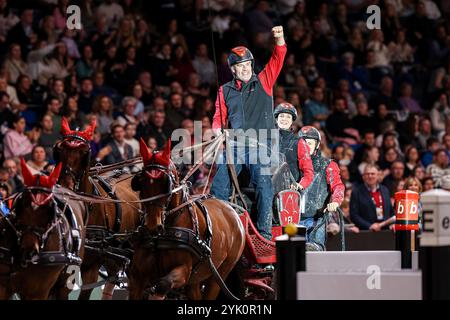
326 191
246 103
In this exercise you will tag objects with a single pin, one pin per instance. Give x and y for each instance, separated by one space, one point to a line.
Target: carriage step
356 261
399 285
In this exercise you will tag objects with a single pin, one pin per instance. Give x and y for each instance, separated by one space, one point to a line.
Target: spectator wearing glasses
370 201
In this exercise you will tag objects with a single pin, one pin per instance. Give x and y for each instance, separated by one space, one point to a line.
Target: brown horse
105 219
179 235
41 237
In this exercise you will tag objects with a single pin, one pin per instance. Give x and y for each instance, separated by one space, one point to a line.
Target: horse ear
28 177
145 153
136 183
166 152
163 157
54 176
90 129
65 128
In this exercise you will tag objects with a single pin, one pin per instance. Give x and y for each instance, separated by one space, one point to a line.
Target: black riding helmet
285 107
240 54
309 132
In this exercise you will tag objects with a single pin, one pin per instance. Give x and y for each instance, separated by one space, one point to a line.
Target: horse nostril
160 228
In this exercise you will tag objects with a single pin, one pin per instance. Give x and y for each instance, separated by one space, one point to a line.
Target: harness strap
5 256
107 187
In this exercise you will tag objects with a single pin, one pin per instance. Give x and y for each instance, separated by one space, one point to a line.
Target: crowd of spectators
144 68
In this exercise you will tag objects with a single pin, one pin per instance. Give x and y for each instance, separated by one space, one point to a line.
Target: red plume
51 180
163 158
145 152
44 181
86 134
28 178
65 128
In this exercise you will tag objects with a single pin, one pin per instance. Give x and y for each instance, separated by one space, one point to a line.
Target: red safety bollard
406 224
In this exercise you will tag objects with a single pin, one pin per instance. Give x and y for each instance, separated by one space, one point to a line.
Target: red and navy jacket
297 156
326 186
250 105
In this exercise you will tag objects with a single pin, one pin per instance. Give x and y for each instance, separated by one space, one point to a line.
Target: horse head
74 152
157 178
34 211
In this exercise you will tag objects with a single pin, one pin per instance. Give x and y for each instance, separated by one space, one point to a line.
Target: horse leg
88 275
61 289
5 293
212 288
177 278
193 291
108 291
137 282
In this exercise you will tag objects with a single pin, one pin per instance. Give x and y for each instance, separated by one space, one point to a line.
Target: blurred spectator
15 142
355 76
370 202
315 109
412 160
363 122
70 111
367 141
102 108
154 126
439 114
432 147
14 63
58 65
38 159
130 133
86 97
386 95
204 66
419 172
117 149
48 137
182 64
407 102
23 32
112 12
15 179
397 172
5 192
47 31
439 167
60 14
371 155
257 19
86 65
53 109
6 115
428 184
425 132
339 124
401 52
100 87
128 112
8 19
72 47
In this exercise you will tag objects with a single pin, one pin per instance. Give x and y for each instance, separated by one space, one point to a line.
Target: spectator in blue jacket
370 201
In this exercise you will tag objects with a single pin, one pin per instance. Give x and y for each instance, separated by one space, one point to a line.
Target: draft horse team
145 225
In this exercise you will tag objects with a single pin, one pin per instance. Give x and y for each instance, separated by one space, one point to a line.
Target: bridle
67 170
170 192
42 233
